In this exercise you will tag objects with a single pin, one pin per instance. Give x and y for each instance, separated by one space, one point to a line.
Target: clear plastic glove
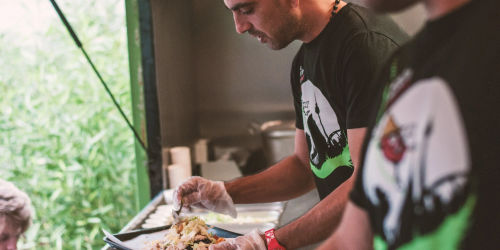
203 193
250 241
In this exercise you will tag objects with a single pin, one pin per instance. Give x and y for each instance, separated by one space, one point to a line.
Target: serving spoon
176 213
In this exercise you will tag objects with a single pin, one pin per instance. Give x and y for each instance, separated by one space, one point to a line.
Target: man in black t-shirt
331 74
333 95
429 172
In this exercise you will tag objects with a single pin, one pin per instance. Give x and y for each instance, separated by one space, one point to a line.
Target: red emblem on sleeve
392 142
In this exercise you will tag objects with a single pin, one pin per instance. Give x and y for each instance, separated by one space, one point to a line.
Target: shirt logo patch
327 143
417 163
392 142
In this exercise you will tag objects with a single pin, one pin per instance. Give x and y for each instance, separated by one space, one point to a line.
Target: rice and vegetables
191 234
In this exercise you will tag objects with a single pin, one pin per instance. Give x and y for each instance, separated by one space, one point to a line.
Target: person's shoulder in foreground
432 138
429 164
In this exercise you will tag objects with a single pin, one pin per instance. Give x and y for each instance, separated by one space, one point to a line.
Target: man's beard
283 35
282 40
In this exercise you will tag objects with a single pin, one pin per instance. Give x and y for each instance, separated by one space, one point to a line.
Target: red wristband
272 242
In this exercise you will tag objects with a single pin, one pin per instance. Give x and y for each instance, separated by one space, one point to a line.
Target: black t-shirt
331 79
429 175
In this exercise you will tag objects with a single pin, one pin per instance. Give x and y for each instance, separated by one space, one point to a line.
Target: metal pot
278 138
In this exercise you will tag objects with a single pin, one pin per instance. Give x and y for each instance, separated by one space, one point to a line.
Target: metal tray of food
158 214
274 206
243 217
151 234
253 214
258 219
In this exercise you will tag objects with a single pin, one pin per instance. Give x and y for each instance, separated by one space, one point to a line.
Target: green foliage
61 139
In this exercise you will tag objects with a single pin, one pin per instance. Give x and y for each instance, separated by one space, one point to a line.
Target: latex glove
203 193
250 241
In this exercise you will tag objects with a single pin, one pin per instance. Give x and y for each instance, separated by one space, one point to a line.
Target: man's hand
203 193
250 241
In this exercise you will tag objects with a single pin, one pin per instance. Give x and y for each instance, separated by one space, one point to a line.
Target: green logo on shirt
447 236
331 164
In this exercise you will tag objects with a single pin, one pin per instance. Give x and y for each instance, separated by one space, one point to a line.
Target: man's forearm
354 231
282 181
324 218
318 223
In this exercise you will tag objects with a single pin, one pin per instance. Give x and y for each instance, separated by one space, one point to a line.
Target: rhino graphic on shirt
327 143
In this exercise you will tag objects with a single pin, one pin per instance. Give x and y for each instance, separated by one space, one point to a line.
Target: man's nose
241 24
